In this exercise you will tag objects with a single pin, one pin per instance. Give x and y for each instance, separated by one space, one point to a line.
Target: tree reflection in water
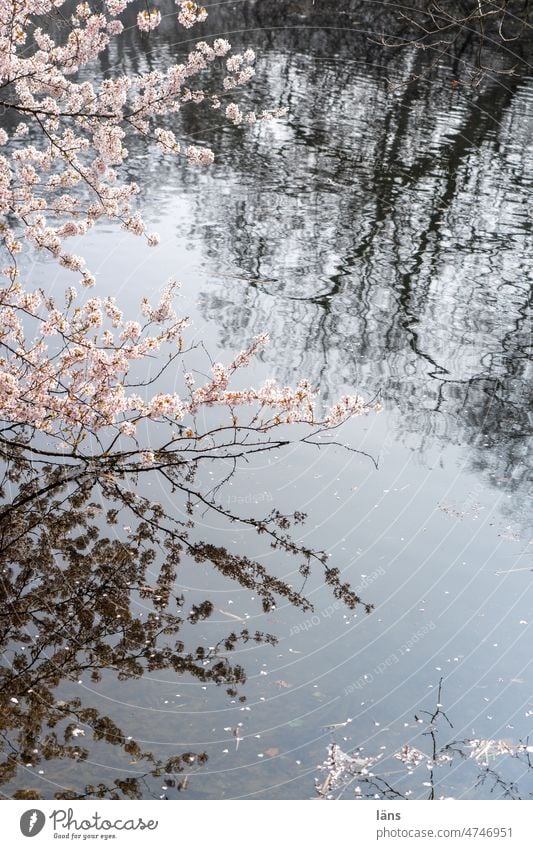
76 600
390 239
370 248
426 770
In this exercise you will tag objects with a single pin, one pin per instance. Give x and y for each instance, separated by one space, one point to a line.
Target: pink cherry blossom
67 367
148 20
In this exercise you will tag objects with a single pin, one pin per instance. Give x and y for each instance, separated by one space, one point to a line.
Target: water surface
381 235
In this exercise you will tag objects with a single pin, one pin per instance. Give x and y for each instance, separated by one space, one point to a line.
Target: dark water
380 233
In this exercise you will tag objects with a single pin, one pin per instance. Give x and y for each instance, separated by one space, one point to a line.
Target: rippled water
381 235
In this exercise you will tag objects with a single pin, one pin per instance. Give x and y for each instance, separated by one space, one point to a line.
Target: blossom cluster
66 369
72 378
60 168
